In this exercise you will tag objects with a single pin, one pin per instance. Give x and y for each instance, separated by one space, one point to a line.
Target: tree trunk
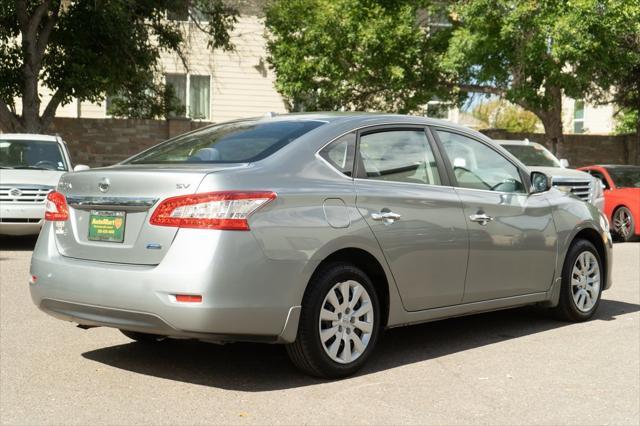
552 122
30 101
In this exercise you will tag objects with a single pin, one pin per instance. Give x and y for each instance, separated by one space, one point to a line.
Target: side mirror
80 167
540 182
564 163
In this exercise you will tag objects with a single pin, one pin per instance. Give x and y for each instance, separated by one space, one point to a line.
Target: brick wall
583 150
101 142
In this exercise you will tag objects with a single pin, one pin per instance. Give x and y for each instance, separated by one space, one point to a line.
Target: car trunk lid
109 211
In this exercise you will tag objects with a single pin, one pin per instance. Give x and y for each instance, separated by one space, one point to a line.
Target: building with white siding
216 86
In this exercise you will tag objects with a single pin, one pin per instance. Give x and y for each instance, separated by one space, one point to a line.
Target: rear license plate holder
107 226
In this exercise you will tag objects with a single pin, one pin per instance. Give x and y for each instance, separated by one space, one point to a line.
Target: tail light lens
212 210
56 208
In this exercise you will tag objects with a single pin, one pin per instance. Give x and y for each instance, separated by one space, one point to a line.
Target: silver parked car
30 167
538 158
316 231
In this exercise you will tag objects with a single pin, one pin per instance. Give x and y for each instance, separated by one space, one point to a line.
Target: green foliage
499 114
354 54
626 122
84 49
522 48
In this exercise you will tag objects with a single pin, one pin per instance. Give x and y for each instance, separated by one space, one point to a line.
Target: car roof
516 142
28 136
617 166
353 117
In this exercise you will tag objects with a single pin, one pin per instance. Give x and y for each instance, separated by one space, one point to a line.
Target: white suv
538 158
30 167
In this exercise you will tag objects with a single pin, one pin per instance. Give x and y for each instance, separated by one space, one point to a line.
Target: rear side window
340 153
400 156
238 142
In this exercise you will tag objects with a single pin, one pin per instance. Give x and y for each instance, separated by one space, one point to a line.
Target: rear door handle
481 218
387 217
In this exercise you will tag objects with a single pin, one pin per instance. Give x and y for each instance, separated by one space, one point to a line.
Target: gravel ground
509 367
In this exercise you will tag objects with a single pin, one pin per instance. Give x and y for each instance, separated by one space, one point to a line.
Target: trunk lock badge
104 184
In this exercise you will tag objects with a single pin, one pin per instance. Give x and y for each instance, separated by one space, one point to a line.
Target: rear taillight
56 208
212 210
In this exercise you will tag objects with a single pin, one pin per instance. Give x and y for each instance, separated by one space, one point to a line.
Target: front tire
339 324
623 224
582 283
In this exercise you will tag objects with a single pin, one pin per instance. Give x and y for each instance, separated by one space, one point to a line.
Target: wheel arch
594 238
370 265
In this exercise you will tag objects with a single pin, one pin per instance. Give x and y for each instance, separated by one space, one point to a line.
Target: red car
621 197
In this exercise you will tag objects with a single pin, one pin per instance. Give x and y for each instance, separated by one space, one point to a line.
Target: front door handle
386 216
481 218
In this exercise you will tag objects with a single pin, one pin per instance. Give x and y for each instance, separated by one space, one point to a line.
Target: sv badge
182 185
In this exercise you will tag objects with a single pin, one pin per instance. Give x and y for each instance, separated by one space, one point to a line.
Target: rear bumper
248 299
21 218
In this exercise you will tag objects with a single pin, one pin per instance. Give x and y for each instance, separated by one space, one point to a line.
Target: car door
512 237
403 193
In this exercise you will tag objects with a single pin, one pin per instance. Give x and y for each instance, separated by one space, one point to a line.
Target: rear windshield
26 154
238 142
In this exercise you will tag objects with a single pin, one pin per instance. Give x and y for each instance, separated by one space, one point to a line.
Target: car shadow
12 243
261 367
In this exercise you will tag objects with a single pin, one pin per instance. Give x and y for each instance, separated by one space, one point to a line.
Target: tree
500 114
86 49
354 54
618 72
530 53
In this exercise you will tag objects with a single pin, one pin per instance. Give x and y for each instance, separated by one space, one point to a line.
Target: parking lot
509 367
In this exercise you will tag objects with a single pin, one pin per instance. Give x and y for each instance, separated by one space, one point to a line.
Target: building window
184 12
199 96
193 91
179 84
578 117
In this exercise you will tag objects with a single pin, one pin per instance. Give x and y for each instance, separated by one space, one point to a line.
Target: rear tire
624 224
582 283
339 324
143 337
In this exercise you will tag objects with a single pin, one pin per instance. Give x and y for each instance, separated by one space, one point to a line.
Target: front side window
26 154
625 177
400 156
477 166
340 153
237 142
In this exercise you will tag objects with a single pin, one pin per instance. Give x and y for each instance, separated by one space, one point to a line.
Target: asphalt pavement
511 367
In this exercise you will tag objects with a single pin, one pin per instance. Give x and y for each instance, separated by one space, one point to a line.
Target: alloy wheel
622 222
585 281
346 321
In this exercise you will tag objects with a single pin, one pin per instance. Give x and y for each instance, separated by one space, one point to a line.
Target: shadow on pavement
11 243
260 367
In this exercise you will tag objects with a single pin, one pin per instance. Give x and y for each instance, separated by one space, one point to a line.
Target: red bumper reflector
188 298
33 279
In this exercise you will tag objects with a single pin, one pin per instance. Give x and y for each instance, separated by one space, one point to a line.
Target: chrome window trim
417 185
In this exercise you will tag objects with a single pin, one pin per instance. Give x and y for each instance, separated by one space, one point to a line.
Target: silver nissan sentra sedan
317 231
